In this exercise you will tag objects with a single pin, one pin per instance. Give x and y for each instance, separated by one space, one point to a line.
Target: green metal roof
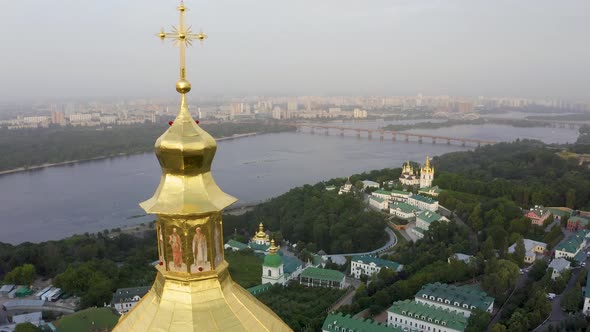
462 294
580 257
560 211
382 192
379 262
322 274
429 216
404 207
259 247
572 243
424 199
290 264
400 192
452 319
375 198
259 289
336 321
237 244
272 260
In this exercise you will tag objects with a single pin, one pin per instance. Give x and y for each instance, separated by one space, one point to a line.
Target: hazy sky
74 48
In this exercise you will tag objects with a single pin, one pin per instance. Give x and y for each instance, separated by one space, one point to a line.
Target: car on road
551 296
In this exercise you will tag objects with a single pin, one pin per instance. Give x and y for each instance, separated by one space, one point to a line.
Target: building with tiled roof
370 184
559 212
461 299
577 223
415 316
338 322
383 194
423 202
532 248
400 195
408 176
125 298
559 265
235 245
259 289
272 267
537 215
423 221
403 210
369 265
571 246
378 203
346 188
316 277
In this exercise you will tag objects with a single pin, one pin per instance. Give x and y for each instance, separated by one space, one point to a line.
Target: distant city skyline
72 49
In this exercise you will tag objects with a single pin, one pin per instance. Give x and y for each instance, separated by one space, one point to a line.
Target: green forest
526 172
319 219
302 308
91 266
32 147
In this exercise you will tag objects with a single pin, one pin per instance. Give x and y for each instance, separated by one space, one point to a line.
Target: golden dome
273 249
185 152
261 234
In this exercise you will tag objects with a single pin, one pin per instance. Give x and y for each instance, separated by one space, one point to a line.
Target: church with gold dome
411 177
193 290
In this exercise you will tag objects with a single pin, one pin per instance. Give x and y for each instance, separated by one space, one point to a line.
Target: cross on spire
182 36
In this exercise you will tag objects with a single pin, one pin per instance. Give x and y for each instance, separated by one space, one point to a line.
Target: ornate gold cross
182 37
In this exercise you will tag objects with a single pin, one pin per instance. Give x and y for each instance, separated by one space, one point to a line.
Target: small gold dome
183 86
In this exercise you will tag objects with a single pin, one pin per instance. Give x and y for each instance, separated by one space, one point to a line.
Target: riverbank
70 162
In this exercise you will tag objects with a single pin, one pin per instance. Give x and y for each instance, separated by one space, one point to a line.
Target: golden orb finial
183 86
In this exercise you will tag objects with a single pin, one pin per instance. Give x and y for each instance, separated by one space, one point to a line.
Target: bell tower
426 174
193 290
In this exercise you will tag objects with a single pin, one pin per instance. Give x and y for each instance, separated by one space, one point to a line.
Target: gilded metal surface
213 304
193 290
185 152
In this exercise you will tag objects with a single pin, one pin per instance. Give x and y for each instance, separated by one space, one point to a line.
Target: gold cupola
185 152
193 290
427 169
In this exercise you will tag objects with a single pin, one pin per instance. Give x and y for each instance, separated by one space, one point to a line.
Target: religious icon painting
175 242
200 253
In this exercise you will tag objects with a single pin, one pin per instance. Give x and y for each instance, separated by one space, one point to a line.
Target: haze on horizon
69 49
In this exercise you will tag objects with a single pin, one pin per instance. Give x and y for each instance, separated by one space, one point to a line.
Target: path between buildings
390 244
558 315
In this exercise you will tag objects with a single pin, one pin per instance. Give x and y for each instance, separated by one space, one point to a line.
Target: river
55 202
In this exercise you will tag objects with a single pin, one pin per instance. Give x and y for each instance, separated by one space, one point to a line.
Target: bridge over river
394 135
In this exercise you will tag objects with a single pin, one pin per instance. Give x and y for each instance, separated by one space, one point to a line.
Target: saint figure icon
199 248
176 244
